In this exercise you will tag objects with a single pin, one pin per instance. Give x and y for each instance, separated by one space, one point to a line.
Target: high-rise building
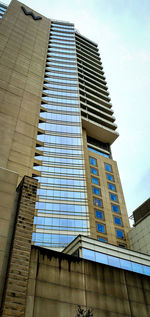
56 128
57 125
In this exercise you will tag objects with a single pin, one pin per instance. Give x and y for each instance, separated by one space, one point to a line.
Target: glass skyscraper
62 208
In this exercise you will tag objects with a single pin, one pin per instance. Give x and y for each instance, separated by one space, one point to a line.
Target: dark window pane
118 221
99 214
96 191
110 177
115 208
97 202
112 187
92 161
119 234
95 180
94 171
113 197
108 167
100 228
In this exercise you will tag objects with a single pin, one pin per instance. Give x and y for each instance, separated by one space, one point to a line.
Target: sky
121 28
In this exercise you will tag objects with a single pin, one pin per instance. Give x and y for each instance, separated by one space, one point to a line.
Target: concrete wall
139 236
59 283
23 51
108 221
8 183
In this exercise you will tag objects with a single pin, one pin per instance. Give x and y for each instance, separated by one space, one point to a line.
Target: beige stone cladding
58 283
17 274
108 221
8 183
23 51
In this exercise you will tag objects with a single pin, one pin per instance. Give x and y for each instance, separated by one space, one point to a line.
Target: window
95 180
112 187
119 234
101 227
98 152
108 167
118 221
113 197
96 191
115 208
97 202
121 245
110 177
94 171
99 214
93 161
101 239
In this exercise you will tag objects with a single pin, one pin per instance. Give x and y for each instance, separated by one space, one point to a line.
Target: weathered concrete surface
23 52
59 283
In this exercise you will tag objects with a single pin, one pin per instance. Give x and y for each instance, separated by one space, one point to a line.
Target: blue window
112 187
118 221
96 191
94 171
101 228
97 202
110 177
95 180
119 234
113 197
93 161
108 167
98 152
99 214
101 239
115 208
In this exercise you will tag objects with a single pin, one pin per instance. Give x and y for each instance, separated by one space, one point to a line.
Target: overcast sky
122 30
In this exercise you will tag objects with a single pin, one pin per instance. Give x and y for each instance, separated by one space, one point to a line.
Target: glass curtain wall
3 8
62 211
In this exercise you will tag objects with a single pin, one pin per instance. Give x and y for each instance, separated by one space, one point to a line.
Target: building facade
57 125
139 235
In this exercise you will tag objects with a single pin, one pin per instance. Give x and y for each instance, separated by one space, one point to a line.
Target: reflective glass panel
97 202
119 234
93 161
101 227
108 167
113 197
115 208
117 221
99 214
95 180
94 171
88 254
96 191
112 187
110 177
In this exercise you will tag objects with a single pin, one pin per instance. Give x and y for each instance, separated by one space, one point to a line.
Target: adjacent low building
139 235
